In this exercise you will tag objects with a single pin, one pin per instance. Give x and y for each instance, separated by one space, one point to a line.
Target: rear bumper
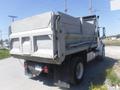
36 59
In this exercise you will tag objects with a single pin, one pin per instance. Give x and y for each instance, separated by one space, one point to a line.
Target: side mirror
104 35
101 34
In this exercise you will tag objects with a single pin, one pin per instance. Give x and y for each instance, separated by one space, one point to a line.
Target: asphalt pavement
12 74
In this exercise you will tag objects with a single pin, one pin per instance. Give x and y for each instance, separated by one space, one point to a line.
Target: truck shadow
95 73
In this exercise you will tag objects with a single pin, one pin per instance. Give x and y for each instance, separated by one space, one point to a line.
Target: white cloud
115 4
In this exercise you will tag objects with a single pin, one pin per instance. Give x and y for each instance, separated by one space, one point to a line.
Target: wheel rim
79 71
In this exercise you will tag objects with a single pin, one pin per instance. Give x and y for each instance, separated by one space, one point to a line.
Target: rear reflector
45 69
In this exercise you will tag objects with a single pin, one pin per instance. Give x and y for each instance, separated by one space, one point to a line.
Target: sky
25 8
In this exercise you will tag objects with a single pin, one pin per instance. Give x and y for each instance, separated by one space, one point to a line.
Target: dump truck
56 43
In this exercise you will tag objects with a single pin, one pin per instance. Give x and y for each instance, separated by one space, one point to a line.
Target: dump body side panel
78 34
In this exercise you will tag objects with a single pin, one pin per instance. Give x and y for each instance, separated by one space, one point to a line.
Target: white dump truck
56 43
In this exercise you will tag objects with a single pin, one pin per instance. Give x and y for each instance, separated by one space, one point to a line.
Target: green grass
112 77
4 53
98 87
109 42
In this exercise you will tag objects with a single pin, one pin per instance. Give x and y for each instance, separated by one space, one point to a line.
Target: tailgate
33 37
38 44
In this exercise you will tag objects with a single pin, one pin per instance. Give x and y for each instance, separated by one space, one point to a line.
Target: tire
102 56
103 52
77 71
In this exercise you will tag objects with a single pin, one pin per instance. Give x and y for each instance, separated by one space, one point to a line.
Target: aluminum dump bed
50 37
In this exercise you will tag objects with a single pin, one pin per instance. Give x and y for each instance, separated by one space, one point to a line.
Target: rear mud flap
62 76
62 84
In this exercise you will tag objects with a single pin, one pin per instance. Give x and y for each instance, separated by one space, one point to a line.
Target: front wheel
101 56
103 52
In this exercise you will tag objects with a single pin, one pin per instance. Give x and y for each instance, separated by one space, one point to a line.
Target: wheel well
82 55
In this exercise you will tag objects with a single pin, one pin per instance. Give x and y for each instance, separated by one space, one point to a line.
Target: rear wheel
78 71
